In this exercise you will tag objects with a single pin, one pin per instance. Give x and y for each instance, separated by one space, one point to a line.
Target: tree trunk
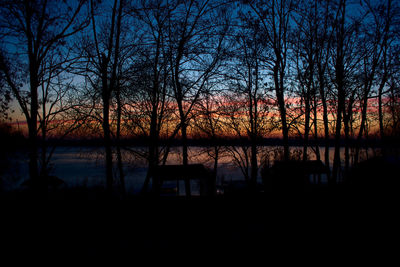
216 158
317 152
153 148
285 133
43 170
341 95
107 144
118 144
33 151
254 164
307 124
336 159
282 110
324 117
184 144
32 125
380 113
346 122
116 82
121 170
185 155
362 127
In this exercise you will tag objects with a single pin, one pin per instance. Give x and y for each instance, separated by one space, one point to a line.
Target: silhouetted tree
33 35
196 34
101 58
56 117
375 37
210 122
338 59
305 45
275 18
345 61
150 77
323 52
248 101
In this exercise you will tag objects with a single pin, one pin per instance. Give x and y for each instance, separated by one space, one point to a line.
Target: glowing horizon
224 130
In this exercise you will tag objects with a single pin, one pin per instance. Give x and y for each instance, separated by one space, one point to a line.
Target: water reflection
84 166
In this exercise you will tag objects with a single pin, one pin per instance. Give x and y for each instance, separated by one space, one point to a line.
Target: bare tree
196 45
56 117
30 32
373 47
305 45
339 79
393 128
275 17
323 49
152 73
248 94
345 60
386 16
210 122
101 58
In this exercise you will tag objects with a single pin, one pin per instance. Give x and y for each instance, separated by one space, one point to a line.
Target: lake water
84 166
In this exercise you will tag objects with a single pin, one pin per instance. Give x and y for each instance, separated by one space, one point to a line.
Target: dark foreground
352 223
322 227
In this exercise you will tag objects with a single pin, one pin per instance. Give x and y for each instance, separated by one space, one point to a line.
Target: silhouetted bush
10 138
292 175
375 175
285 176
10 141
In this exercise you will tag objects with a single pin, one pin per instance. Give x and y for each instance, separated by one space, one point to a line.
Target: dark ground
325 228
354 223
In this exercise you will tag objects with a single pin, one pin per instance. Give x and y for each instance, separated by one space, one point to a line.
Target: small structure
186 173
292 175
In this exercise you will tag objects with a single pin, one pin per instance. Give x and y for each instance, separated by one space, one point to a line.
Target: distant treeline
207 142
